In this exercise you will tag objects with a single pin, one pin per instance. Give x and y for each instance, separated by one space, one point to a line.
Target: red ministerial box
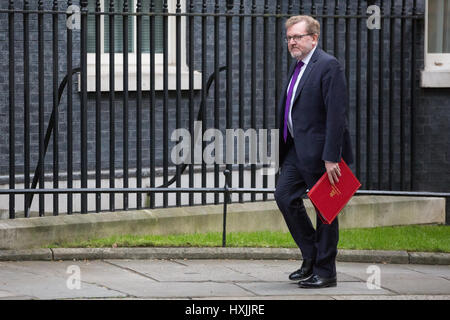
329 200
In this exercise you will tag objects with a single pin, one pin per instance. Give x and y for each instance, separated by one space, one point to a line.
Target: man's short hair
312 25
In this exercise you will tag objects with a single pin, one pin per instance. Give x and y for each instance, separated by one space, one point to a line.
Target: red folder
329 200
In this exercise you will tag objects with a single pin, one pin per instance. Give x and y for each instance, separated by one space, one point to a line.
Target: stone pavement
222 279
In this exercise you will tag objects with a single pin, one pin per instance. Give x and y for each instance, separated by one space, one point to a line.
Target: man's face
299 49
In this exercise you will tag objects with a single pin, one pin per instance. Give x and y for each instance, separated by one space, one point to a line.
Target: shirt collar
308 57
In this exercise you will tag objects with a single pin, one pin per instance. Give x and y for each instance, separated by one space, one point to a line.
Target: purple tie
289 98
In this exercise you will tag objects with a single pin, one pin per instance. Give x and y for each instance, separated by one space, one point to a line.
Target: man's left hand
333 171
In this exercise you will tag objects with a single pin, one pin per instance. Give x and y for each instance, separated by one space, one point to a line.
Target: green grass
410 238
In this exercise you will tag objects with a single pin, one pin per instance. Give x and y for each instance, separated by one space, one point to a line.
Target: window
118 43
437 44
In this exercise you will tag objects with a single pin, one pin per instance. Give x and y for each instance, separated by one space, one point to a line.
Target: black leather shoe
304 272
317 282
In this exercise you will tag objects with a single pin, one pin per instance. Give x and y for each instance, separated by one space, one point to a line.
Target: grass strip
428 238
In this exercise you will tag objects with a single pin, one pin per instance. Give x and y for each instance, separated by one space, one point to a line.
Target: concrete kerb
361 256
26 255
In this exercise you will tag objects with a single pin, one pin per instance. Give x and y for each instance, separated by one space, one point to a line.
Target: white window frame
436 73
132 66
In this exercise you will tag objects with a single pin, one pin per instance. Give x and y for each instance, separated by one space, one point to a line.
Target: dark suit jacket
319 114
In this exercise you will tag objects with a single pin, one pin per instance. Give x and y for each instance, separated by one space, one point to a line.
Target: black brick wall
433 142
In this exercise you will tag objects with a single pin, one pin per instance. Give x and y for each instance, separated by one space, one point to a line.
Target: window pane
118 26
438 26
158 33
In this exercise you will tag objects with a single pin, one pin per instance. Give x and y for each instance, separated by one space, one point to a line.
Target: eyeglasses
297 38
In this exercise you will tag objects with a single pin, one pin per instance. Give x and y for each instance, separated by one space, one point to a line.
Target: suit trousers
319 244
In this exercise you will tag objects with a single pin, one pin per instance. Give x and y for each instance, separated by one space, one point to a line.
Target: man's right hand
333 171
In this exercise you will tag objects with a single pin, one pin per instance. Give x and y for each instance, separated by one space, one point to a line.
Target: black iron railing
119 127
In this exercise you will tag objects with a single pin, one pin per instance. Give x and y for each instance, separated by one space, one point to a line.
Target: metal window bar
112 108
98 97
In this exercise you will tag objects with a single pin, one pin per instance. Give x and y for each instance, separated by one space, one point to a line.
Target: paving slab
192 289
46 280
254 270
434 270
183 271
214 279
393 297
405 279
282 288
279 297
5 294
373 256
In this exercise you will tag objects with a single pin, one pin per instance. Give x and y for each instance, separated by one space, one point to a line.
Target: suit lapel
306 74
309 68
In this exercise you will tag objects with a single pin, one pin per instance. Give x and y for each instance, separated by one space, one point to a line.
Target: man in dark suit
314 138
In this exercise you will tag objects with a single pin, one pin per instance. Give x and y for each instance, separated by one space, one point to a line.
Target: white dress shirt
305 61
